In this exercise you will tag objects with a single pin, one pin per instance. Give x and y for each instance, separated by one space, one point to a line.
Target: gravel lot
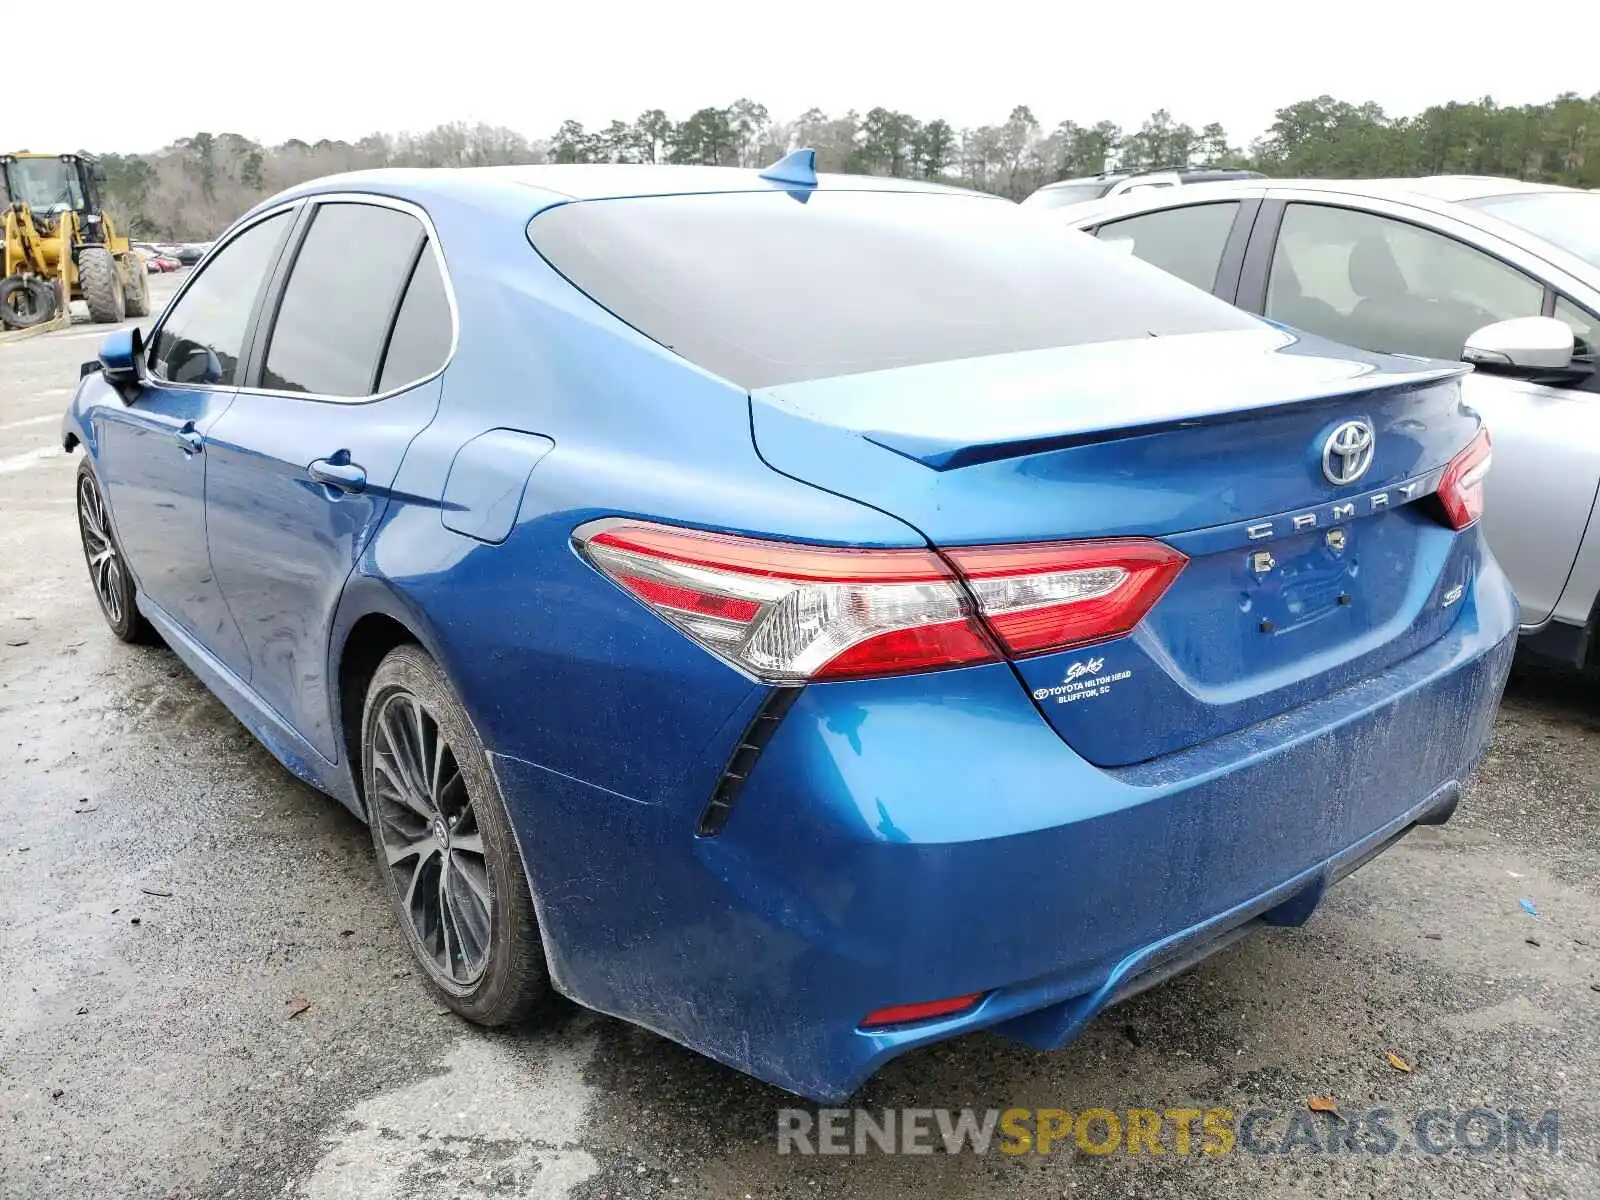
169 897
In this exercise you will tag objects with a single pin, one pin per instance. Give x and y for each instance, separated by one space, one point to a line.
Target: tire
100 285
137 296
444 845
108 567
26 301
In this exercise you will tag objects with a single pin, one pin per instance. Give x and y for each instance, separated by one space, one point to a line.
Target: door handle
191 441
346 476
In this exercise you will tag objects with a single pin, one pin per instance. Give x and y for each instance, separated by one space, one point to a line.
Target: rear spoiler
954 414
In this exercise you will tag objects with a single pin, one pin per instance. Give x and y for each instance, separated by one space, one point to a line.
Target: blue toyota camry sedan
809 617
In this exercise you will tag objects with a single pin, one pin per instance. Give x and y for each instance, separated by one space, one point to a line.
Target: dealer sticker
1085 680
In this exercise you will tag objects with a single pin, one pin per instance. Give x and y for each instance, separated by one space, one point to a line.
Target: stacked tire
26 301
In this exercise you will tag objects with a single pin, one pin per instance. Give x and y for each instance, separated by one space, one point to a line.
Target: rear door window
1065 194
422 332
334 319
1186 242
766 288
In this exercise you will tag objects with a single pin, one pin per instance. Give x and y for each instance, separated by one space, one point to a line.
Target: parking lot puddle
494 1122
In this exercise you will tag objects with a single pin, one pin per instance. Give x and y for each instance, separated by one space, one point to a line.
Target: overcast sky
292 68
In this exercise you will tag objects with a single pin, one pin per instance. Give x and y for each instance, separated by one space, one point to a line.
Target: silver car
1502 274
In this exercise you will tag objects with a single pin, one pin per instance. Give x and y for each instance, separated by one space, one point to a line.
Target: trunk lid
1213 443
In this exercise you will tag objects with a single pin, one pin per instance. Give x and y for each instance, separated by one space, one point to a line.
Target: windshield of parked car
1064 194
1570 220
764 288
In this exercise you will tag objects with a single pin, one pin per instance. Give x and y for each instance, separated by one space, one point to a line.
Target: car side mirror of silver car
1525 346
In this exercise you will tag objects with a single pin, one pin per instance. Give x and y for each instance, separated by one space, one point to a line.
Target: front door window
1387 285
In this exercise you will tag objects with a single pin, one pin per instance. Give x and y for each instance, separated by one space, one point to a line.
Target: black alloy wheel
108 569
446 847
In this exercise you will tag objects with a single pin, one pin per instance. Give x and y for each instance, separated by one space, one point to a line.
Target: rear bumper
1290 903
897 845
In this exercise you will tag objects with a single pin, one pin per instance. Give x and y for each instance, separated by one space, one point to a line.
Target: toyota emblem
1347 453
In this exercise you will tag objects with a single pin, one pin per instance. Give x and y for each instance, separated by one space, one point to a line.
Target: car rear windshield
1064 194
1569 220
765 288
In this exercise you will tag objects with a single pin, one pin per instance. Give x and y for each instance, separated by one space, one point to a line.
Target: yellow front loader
59 245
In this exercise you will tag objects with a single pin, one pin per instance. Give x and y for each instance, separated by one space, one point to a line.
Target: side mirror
1526 346
122 357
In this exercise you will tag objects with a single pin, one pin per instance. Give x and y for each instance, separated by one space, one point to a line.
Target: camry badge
1347 453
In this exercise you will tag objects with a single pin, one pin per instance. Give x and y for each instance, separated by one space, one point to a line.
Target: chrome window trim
222 243
316 199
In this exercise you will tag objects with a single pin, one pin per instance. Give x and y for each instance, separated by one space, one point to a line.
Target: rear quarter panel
557 666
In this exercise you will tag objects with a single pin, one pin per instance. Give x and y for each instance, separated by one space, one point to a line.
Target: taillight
1052 595
1461 486
790 613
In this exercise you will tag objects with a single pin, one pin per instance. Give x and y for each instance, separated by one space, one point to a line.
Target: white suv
1065 192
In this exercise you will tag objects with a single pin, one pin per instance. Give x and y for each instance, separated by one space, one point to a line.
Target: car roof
1077 180
562 182
1188 176
1201 174
1435 188
1205 173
